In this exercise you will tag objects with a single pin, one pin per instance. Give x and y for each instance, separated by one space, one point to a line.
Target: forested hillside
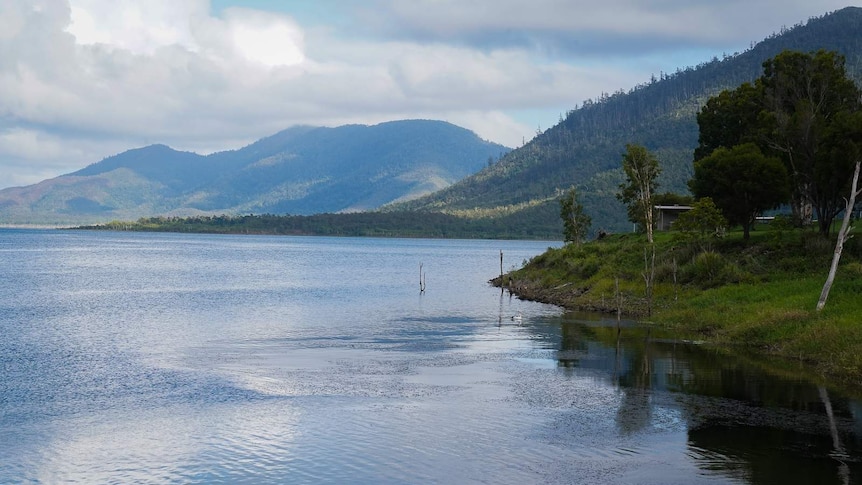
301 170
585 148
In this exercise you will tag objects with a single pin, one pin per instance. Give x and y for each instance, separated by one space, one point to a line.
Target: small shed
667 214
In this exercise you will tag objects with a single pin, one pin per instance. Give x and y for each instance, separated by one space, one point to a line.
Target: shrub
710 269
708 265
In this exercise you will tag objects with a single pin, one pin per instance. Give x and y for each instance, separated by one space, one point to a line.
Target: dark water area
162 358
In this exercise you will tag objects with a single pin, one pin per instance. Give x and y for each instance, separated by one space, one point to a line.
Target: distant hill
585 148
301 170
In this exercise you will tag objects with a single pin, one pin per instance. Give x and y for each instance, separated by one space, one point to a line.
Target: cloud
30 156
85 79
138 27
588 28
264 38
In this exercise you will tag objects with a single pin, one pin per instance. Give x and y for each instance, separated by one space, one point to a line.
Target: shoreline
758 295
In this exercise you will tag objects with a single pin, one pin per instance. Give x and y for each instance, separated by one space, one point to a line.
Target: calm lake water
161 358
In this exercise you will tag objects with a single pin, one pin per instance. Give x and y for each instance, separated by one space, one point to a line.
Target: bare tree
843 236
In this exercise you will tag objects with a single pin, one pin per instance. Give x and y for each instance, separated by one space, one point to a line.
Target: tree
805 95
730 119
843 235
703 220
641 169
742 181
797 110
670 198
576 224
842 140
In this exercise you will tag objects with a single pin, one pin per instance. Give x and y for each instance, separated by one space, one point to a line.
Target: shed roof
673 207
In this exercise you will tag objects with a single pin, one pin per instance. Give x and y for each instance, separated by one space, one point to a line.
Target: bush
708 265
710 269
589 267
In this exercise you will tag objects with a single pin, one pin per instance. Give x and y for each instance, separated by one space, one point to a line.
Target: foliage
742 182
576 223
670 198
729 119
803 109
804 95
702 221
641 169
370 224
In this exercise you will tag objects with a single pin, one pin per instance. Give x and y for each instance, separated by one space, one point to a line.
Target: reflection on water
743 421
201 359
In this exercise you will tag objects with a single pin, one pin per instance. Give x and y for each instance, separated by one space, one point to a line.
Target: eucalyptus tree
804 94
641 170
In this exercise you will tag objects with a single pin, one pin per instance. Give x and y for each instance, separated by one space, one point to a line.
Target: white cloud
135 26
493 125
265 38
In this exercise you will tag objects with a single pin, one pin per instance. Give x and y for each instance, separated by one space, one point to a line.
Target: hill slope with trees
585 148
301 170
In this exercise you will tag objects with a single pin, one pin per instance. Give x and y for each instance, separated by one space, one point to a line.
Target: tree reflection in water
748 418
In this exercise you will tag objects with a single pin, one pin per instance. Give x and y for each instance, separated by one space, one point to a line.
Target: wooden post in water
619 299
502 284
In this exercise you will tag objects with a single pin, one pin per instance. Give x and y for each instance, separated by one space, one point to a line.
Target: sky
81 80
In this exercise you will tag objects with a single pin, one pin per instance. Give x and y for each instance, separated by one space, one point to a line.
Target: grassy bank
760 294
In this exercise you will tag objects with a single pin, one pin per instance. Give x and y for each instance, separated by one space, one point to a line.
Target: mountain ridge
299 170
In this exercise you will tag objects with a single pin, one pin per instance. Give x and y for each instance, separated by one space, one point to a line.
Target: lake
168 358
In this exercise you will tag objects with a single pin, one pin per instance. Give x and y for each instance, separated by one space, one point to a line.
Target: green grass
759 294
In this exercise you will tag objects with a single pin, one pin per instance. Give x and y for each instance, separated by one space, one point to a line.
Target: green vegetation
371 224
703 221
642 170
805 111
576 223
742 182
760 294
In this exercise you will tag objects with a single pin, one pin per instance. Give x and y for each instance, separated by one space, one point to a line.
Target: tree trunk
649 277
803 210
843 235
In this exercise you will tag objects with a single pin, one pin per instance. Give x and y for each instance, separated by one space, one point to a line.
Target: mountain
301 170
585 149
